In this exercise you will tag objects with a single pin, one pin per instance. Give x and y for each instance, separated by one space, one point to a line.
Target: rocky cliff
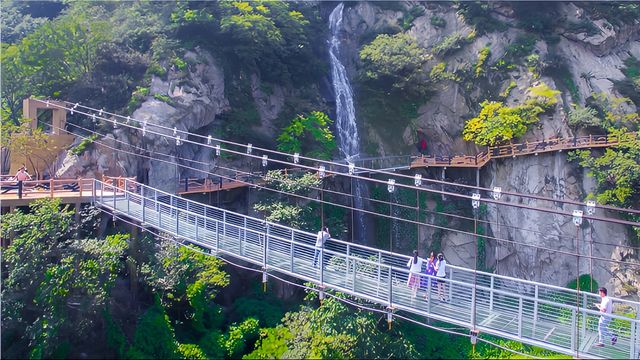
590 62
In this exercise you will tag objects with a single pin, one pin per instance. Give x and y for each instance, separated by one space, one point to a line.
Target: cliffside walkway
527 148
551 317
406 162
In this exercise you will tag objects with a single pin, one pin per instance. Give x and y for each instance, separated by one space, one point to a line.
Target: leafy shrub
83 145
449 44
437 21
156 69
586 283
309 133
478 14
241 337
483 56
522 46
407 19
268 313
505 93
179 63
191 352
163 98
137 97
394 62
543 96
154 337
438 72
495 124
213 344
583 117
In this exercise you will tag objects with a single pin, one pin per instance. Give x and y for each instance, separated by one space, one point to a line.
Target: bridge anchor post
264 280
389 316
474 339
321 294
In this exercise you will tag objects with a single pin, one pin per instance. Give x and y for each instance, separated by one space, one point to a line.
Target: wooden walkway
69 191
527 148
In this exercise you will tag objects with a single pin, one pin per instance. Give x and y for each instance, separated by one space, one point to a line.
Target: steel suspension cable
364 211
128 118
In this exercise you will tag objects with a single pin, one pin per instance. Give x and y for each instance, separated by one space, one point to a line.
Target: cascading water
347 131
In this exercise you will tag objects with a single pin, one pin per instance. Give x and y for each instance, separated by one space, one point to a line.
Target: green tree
309 134
331 330
56 289
617 171
49 59
396 62
497 123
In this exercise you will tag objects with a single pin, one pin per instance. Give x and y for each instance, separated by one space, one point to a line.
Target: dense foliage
395 62
497 123
309 135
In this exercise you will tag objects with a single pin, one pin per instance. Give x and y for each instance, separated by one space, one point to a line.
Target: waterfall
347 131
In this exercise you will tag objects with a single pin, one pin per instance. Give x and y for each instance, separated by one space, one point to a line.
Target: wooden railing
52 187
526 148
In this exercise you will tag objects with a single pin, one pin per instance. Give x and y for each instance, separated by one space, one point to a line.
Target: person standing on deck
22 175
606 308
415 267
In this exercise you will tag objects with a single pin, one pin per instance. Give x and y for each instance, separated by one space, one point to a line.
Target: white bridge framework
538 314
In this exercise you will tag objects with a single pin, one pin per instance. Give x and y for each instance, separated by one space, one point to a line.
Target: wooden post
80 187
51 187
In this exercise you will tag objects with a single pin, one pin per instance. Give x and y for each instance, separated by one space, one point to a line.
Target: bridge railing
51 187
553 317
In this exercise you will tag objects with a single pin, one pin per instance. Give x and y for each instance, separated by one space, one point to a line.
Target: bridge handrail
404 258
390 268
267 223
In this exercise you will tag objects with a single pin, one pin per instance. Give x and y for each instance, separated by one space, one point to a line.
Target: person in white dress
415 267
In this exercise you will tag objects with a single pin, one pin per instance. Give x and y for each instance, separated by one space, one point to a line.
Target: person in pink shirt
22 175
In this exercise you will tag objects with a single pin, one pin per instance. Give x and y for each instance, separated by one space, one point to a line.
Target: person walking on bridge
415 268
606 308
22 175
323 236
441 273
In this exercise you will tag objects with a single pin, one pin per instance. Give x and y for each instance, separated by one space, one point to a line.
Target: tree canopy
395 61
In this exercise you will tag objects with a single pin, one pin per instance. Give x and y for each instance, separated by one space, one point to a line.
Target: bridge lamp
100 113
264 160
178 141
591 207
417 179
321 171
577 217
209 140
93 118
475 200
128 119
391 185
296 158
47 102
175 131
249 148
115 123
217 149
352 168
497 193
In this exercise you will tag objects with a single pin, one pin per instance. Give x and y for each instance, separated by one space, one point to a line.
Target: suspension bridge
538 314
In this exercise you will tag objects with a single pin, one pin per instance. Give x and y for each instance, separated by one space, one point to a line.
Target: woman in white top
415 267
441 273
